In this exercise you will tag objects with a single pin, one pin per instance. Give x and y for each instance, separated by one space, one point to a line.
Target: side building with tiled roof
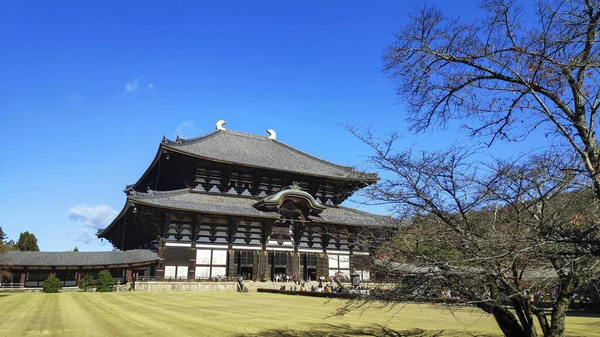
31 269
231 204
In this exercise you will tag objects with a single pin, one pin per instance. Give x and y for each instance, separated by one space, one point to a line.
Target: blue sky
88 91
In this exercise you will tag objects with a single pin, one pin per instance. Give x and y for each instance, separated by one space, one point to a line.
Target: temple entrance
246 273
278 265
309 261
245 263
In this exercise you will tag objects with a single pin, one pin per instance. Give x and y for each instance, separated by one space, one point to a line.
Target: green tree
52 285
27 242
86 282
3 248
3 235
105 281
76 249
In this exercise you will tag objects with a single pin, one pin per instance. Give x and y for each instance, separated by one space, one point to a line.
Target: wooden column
232 270
129 274
23 278
264 270
295 265
324 270
325 238
163 223
194 237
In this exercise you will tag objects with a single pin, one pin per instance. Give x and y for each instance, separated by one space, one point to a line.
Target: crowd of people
325 284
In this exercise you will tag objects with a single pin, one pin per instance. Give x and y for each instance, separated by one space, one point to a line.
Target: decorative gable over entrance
291 202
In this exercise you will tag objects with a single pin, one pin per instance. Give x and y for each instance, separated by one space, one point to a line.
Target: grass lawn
235 314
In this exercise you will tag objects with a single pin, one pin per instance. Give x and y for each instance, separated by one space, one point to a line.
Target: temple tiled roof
192 201
62 259
345 215
240 148
202 202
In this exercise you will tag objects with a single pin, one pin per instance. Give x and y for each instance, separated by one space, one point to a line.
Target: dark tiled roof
61 259
345 215
251 150
202 202
186 200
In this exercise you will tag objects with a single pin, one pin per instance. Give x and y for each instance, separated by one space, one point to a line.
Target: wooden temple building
231 204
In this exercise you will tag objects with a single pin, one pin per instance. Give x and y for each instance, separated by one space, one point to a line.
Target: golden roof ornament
220 124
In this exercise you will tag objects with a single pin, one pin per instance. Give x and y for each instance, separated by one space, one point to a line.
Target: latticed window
246 258
280 259
311 260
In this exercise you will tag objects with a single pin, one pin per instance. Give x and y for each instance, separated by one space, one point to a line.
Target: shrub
52 285
105 281
86 282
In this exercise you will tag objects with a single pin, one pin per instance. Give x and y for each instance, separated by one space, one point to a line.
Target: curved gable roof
245 149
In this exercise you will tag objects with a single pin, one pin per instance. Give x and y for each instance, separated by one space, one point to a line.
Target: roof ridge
363 212
152 193
185 141
225 195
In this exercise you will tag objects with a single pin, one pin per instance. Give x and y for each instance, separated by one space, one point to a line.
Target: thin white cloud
83 235
187 129
131 86
93 216
150 85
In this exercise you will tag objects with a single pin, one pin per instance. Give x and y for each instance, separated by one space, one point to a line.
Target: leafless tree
493 231
505 75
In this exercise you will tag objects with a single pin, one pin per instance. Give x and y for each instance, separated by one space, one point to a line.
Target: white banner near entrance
202 272
182 272
219 257
170 271
203 256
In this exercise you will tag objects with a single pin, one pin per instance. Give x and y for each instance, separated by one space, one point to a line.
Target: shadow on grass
4 295
332 330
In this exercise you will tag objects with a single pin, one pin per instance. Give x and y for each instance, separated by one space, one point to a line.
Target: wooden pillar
264 270
295 265
23 278
195 233
232 269
163 222
160 267
323 269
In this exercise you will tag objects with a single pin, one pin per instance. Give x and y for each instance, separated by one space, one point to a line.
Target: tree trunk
559 313
506 320
557 326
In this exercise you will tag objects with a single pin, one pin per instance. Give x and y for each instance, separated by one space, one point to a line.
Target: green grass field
234 314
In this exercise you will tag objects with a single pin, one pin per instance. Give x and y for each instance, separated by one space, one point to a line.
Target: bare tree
507 74
493 231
